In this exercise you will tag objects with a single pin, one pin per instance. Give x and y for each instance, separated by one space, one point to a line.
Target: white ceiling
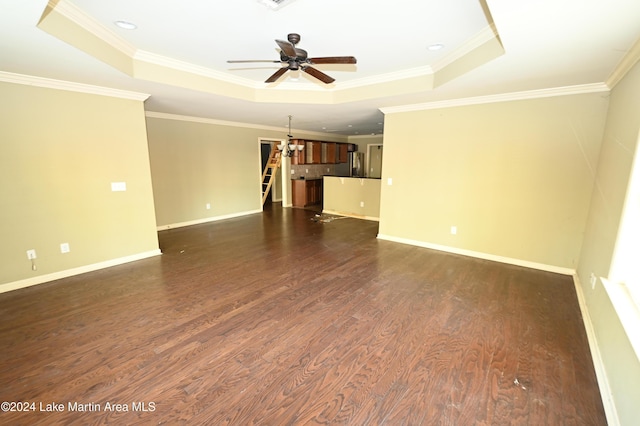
547 44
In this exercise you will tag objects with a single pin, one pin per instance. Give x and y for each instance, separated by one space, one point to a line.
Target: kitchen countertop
333 176
354 177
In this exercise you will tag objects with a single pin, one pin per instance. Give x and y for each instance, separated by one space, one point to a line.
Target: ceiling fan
295 59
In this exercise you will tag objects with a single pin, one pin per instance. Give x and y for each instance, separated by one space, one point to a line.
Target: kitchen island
352 196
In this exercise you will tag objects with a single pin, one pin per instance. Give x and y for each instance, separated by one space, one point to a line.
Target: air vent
275 4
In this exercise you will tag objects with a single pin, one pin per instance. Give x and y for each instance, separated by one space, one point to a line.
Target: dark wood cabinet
317 152
313 152
306 192
329 153
343 151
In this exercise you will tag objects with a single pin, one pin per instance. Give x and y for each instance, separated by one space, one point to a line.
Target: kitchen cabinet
299 156
329 153
343 152
318 152
306 192
313 152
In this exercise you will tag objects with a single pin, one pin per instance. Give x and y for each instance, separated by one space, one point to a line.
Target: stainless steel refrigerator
354 167
356 161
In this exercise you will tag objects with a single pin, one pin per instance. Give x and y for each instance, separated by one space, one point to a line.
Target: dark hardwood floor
279 319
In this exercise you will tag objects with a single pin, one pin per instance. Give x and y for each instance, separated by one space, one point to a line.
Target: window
623 284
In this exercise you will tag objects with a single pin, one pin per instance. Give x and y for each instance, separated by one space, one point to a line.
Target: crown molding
80 18
49 83
167 62
503 97
177 117
376 136
175 64
625 65
487 34
386 78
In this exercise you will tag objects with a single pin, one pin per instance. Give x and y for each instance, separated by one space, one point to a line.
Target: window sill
627 305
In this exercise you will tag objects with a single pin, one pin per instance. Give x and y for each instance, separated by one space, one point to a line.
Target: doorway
374 161
275 193
265 151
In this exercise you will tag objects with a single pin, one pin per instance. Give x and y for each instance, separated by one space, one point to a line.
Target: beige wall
344 195
194 163
515 177
59 153
619 145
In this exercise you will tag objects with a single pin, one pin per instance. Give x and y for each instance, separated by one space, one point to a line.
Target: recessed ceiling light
126 25
275 4
436 46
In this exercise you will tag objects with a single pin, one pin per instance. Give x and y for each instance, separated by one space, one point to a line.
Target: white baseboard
41 279
206 220
480 255
355 216
598 364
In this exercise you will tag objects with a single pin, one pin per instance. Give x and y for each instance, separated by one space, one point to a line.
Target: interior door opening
265 150
271 177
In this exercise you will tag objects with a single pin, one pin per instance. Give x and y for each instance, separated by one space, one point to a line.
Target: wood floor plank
277 318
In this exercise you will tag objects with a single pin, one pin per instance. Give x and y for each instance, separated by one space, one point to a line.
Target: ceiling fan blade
276 75
318 74
287 48
249 60
333 60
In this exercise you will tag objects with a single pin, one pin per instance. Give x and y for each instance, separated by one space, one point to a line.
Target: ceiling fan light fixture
296 59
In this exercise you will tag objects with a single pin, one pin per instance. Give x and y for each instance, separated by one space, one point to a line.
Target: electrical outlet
208 206
454 230
361 203
593 279
64 248
118 186
31 254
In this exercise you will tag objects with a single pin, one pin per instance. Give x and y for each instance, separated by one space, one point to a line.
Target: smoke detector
275 4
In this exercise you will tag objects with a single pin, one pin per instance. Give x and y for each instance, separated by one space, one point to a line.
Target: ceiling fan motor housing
293 38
